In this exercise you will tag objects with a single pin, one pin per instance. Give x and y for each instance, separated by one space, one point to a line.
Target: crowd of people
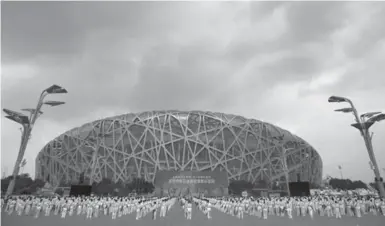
335 192
261 207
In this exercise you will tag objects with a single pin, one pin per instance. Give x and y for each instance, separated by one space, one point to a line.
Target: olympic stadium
139 145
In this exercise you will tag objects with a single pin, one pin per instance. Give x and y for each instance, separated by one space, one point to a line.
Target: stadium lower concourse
138 145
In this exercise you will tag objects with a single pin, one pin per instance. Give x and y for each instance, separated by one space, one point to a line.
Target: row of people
235 206
321 205
88 206
301 207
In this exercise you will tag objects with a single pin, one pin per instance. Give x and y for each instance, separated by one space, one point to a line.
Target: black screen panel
299 188
79 190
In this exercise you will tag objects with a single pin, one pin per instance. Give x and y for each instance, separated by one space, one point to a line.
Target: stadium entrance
195 183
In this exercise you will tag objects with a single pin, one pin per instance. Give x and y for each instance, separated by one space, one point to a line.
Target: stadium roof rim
145 115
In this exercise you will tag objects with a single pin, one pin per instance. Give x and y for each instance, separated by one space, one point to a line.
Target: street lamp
28 123
363 123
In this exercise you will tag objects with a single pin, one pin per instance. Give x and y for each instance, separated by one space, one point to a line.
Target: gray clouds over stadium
277 62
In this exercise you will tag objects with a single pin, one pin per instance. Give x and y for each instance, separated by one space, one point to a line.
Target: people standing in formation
187 207
300 206
203 205
90 207
116 207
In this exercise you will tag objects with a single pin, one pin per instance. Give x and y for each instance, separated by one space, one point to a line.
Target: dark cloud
314 21
102 85
195 73
258 10
242 58
120 53
369 37
290 68
31 29
167 75
61 29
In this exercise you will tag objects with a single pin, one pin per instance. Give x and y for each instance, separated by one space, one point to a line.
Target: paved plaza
176 218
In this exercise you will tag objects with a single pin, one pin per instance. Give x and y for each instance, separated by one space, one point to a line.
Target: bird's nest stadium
138 145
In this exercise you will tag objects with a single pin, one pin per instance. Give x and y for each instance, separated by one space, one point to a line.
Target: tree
148 187
24 184
359 184
236 187
36 185
121 189
59 191
346 184
105 187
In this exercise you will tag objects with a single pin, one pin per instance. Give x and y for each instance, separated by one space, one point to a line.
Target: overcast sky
278 62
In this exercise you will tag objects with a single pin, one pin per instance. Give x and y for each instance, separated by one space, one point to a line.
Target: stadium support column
96 145
286 169
363 123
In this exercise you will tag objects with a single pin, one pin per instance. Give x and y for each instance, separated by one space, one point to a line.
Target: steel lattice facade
137 145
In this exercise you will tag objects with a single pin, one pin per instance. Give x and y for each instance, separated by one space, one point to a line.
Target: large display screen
191 182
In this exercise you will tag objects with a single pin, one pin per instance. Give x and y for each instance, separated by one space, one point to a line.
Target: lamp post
363 123
28 123
340 169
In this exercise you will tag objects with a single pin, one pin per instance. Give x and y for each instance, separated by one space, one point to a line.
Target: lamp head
54 103
55 89
363 126
12 113
16 116
377 118
336 99
344 110
370 114
24 120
